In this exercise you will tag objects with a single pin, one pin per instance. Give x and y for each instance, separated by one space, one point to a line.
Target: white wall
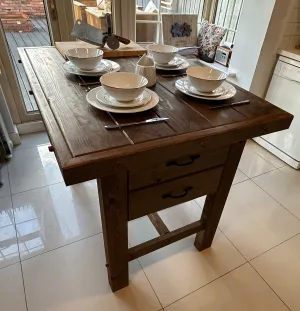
259 35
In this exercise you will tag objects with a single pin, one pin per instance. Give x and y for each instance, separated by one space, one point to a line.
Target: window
222 12
228 14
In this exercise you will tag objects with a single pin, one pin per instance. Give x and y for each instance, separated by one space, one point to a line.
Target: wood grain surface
114 209
153 199
166 239
93 149
143 169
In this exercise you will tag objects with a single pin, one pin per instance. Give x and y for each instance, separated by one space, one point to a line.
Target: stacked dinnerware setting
201 82
206 83
166 57
120 92
123 92
89 62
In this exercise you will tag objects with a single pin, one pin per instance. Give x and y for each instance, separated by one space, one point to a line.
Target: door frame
124 18
11 87
59 14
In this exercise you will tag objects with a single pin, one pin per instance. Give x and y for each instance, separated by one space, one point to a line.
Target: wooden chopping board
132 49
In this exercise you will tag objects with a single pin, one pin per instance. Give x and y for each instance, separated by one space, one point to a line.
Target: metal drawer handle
171 196
190 161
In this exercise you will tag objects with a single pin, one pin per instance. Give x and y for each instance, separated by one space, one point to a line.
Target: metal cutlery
149 121
174 75
89 83
244 102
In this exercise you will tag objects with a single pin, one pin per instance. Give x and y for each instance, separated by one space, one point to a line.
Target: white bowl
205 79
162 54
85 58
124 86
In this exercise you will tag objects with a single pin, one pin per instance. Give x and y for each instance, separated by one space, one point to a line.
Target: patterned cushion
209 37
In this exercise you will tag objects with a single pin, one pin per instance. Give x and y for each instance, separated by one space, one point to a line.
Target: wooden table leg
114 214
215 202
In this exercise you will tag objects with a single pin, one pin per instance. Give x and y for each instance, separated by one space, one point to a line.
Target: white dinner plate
230 91
104 98
217 92
104 67
176 62
185 64
91 98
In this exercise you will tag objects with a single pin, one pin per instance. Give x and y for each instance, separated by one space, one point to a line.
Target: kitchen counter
290 53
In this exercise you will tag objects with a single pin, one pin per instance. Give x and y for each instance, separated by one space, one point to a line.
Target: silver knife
118 126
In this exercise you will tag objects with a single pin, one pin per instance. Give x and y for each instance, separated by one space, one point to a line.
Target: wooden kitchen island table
143 169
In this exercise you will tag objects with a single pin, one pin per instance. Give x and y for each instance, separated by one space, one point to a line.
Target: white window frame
209 12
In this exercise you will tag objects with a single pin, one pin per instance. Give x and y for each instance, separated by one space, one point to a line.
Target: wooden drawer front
152 199
177 166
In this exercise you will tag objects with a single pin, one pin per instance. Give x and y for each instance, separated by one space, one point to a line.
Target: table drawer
177 165
155 198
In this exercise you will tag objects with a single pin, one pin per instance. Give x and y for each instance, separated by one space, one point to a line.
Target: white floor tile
239 177
56 215
32 168
283 185
178 269
240 290
280 268
201 201
252 164
33 140
264 153
9 253
254 222
74 278
5 189
11 289
181 215
141 230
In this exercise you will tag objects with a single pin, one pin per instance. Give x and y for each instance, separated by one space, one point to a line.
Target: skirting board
15 137
280 154
31 127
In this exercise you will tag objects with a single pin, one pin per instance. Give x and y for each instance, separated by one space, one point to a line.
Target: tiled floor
52 255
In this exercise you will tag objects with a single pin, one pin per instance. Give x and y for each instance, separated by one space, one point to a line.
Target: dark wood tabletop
143 169
77 130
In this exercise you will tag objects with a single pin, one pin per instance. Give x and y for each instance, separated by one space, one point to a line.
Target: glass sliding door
29 23
24 26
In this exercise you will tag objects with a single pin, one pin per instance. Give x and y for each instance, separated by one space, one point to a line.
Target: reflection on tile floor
51 243
33 168
9 253
56 215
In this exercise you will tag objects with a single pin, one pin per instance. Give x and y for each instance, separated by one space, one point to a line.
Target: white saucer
217 92
91 98
104 67
176 62
230 90
105 99
184 65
